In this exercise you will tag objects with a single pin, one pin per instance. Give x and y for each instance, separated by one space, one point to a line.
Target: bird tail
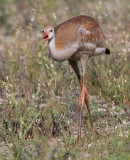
99 51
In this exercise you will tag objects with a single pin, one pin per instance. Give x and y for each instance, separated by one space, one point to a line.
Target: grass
39 97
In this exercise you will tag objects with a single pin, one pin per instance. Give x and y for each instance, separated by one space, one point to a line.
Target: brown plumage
78 38
70 27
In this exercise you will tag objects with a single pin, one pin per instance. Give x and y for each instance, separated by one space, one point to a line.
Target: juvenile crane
77 39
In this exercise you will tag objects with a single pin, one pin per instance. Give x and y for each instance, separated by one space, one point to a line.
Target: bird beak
45 37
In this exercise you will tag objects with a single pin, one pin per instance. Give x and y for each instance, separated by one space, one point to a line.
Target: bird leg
83 60
89 112
81 104
86 99
83 96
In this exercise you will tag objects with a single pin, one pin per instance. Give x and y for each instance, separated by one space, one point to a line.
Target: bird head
48 33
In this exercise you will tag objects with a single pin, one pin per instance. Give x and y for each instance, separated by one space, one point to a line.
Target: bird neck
61 55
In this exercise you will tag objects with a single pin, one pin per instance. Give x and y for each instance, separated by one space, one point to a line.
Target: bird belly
76 56
86 48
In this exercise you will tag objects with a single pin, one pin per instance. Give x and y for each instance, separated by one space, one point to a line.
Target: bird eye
51 30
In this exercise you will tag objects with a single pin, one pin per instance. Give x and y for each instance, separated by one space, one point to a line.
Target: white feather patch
84 31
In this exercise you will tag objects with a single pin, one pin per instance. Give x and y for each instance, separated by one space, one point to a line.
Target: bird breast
65 53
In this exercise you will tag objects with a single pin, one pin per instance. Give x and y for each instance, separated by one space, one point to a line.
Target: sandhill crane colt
78 38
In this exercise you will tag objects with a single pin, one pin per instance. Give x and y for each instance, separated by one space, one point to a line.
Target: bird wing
66 34
78 28
92 33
